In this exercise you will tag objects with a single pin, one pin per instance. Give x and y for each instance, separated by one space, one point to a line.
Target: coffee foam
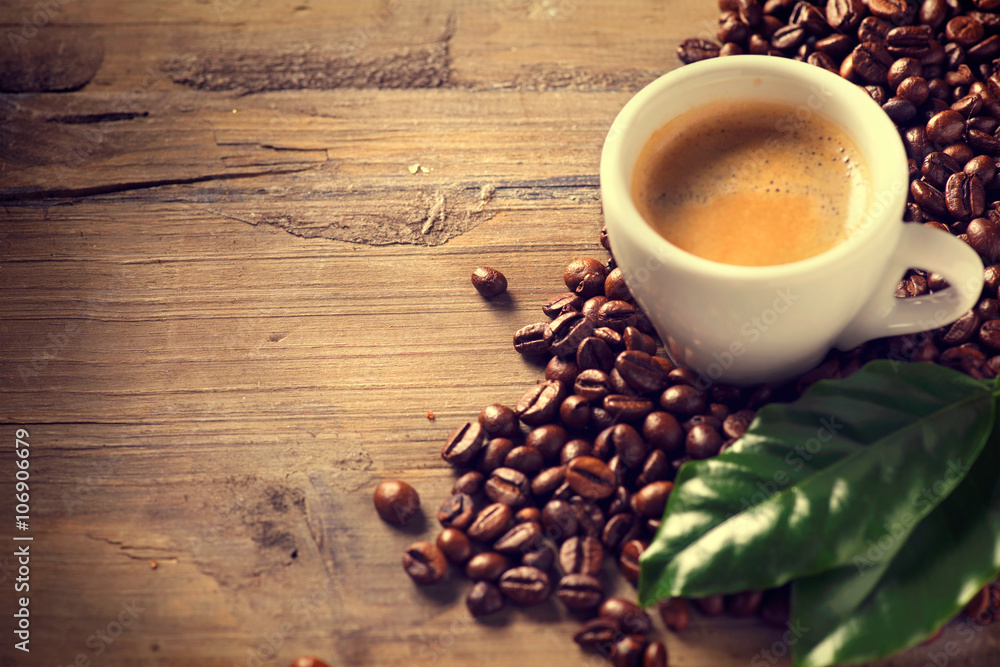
748 182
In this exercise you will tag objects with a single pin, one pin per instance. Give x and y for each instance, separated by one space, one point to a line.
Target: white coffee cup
749 324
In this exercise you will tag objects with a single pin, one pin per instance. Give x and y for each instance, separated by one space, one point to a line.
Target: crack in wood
91 118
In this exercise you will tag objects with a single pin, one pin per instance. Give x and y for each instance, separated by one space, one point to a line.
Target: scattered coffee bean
628 651
744 605
470 483
489 282
457 512
463 444
491 522
508 486
499 421
425 563
484 599
533 339
676 613
628 561
396 502
597 632
713 605
486 566
590 477
630 617
580 591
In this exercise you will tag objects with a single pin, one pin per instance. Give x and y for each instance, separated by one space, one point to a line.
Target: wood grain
226 316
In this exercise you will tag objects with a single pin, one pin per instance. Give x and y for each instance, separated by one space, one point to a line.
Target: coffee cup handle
933 250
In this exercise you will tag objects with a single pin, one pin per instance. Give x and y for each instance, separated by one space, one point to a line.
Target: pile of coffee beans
579 469
934 67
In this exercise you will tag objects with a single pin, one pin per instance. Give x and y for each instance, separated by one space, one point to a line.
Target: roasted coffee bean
638 370
590 477
901 69
964 31
965 196
620 529
484 599
982 142
789 38
463 444
650 501
585 277
563 370
486 566
961 76
873 29
960 151
575 411
574 448
836 46
508 486
525 458
628 561
945 127
899 110
911 286
989 334
713 605
910 41
616 315
457 512
547 439
567 331
662 431
845 15
929 198
396 501
627 408
491 522
736 424
532 339
654 468
589 515
933 12
600 418
676 613
592 305
540 404
627 444
693 50
871 62
525 585
470 483
592 384
548 481
912 212
730 49
915 90
775 607
520 539
614 285
629 616
809 17
991 280
594 353
983 167
915 141
896 12
559 520
628 650
610 336
425 563
636 340
562 303
597 632
454 544
494 454
820 59
655 655
750 12
624 474
580 591
938 168
499 421
984 237
489 282
878 94
988 309
684 399
581 554
744 605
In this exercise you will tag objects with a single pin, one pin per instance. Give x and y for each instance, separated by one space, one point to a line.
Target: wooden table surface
228 304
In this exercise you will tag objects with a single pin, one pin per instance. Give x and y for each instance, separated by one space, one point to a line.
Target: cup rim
616 191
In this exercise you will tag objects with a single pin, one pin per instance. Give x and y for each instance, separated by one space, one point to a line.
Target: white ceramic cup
749 324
